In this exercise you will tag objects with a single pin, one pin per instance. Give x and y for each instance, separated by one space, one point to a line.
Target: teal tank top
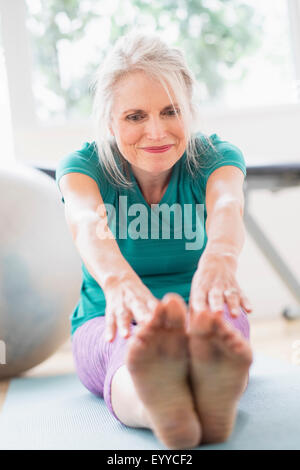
166 251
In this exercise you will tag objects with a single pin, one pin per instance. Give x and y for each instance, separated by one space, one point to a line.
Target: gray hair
137 51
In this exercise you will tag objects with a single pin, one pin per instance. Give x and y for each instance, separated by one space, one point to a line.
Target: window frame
19 63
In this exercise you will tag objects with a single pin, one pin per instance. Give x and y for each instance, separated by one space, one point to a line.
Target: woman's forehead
140 92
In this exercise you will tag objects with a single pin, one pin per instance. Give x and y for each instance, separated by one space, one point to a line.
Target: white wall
270 134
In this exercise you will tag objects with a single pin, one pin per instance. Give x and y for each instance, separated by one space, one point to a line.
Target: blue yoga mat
59 413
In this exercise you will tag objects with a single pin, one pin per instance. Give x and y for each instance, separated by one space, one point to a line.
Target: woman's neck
152 186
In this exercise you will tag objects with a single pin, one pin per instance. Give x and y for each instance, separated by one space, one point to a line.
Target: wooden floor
273 337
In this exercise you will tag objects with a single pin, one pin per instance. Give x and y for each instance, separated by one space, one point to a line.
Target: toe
204 324
175 312
158 317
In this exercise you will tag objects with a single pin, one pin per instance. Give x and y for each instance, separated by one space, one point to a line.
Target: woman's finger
199 304
124 317
142 311
216 299
232 296
246 304
152 305
110 327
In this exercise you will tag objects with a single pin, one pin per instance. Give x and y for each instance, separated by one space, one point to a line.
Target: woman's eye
138 117
173 112
134 117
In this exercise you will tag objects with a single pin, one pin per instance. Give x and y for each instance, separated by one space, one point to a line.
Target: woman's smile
161 149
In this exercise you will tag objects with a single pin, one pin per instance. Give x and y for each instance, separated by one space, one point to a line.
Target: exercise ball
40 270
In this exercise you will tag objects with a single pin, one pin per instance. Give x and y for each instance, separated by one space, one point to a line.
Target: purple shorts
96 361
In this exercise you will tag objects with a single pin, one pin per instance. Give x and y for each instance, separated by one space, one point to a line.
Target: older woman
160 330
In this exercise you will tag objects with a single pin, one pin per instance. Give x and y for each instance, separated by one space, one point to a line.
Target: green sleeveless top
162 243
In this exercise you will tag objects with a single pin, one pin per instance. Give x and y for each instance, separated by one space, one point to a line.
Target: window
239 49
245 55
268 72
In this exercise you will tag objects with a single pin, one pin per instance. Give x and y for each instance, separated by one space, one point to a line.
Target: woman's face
143 116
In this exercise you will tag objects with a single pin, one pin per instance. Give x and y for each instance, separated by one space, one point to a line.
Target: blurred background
245 55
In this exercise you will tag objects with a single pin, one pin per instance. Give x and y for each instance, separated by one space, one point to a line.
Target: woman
161 329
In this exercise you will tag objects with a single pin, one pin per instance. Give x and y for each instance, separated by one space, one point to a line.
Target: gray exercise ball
40 270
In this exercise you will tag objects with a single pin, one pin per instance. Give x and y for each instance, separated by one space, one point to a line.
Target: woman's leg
241 322
100 366
157 358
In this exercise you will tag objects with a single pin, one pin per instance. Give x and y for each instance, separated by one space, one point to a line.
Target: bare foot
157 359
220 358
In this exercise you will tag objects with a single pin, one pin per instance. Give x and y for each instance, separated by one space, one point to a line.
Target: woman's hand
127 298
214 283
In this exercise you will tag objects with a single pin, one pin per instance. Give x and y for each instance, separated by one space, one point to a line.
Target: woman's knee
240 322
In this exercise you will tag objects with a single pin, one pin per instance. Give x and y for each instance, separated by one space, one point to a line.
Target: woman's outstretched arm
126 295
225 229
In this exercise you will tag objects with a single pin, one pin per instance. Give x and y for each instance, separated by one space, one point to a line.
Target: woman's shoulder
88 151
84 160
86 154
212 152
212 144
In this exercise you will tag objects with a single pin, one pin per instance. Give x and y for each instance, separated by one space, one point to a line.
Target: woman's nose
155 129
